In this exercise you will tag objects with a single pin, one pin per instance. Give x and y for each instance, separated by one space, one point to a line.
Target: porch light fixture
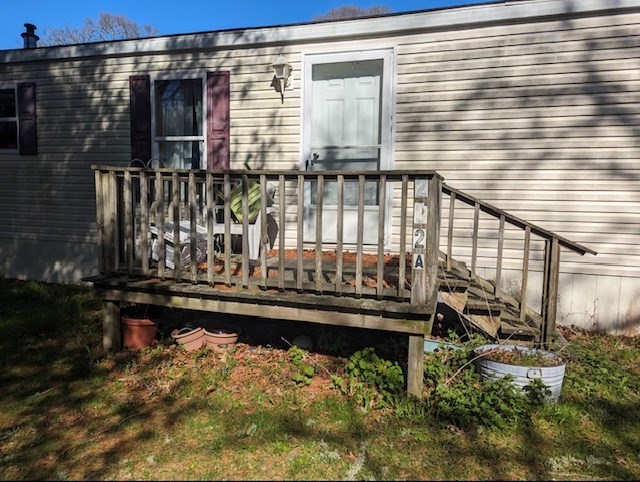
282 70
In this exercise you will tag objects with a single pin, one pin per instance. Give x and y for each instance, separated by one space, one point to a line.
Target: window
179 133
8 119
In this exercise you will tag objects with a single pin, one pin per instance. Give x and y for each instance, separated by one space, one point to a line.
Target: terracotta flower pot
137 333
189 338
222 337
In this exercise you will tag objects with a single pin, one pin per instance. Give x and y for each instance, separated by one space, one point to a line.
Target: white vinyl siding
539 118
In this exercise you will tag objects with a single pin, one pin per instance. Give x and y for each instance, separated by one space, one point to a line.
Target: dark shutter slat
218 116
27 128
140 113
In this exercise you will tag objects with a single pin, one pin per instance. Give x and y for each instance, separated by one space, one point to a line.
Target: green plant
522 357
456 393
373 381
304 372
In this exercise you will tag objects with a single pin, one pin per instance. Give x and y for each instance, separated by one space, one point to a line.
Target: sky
183 16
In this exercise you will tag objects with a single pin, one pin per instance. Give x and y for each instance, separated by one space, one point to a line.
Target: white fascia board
340 30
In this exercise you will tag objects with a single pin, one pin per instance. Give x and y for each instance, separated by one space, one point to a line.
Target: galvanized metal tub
552 376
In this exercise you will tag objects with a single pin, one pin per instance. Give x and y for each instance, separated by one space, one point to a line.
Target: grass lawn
69 412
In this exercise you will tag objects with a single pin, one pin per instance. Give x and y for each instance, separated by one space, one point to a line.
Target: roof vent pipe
30 38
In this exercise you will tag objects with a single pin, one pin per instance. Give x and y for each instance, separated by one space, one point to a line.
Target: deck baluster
550 290
264 236
227 229
382 202
193 218
129 241
498 286
319 206
160 225
210 218
474 248
339 234
360 236
525 274
177 258
299 236
144 223
452 207
245 231
281 230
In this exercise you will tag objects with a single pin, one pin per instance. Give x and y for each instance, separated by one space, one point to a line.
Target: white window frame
155 140
16 119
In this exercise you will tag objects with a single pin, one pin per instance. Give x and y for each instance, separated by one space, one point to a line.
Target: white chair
185 243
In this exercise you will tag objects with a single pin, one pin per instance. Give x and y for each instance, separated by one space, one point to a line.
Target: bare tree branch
352 11
107 27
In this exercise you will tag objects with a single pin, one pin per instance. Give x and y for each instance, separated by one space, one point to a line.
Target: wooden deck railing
131 202
134 204
550 262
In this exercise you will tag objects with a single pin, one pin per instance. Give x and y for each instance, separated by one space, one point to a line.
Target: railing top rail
390 174
516 221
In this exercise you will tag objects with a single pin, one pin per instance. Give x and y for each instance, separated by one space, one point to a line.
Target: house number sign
418 244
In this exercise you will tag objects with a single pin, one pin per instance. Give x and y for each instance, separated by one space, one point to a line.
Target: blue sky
182 16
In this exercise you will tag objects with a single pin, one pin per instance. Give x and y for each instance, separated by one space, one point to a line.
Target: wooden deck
315 281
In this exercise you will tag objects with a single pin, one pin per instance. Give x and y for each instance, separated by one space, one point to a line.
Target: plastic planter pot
222 337
189 338
551 376
137 333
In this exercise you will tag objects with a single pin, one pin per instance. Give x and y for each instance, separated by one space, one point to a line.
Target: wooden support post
111 336
402 268
434 207
100 203
424 267
415 365
109 223
550 290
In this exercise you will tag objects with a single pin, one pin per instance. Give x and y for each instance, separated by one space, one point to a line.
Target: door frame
387 111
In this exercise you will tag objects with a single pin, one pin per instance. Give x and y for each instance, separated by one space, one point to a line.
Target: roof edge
449 17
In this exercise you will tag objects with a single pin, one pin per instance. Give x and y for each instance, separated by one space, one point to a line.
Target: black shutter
218 117
140 114
27 128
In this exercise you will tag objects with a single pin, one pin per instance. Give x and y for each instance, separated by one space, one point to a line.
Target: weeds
374 382
68 411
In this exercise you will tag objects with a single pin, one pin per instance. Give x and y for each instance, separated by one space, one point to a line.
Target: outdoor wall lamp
282 70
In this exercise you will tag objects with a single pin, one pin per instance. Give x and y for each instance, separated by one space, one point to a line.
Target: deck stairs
472 301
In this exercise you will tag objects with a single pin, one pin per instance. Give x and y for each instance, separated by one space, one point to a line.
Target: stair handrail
551 269
516 221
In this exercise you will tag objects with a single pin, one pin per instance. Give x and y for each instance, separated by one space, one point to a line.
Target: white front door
347 127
